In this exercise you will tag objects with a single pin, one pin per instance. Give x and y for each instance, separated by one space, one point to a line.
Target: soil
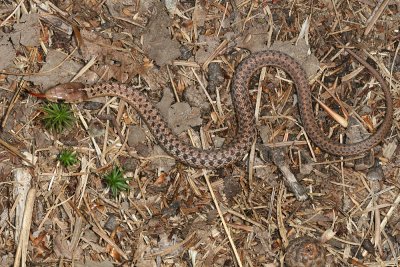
183 55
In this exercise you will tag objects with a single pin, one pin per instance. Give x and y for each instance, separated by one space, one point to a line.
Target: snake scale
217 158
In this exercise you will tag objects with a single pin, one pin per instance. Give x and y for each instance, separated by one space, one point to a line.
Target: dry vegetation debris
344 212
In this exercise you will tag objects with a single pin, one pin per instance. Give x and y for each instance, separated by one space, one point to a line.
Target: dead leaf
56 70
7 53
181 117
161 160
27 32
62 248
157 42
299 52
209 44
254 39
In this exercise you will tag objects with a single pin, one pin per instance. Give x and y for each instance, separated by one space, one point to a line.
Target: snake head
69 92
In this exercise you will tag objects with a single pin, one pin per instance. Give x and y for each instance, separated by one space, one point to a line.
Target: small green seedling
57 117
116 182
67 157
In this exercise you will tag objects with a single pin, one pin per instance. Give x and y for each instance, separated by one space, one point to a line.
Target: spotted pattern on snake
217 158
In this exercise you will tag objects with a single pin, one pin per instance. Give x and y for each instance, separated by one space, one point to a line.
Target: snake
216 158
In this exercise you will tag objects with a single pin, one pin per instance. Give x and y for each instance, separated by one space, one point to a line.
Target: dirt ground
286 203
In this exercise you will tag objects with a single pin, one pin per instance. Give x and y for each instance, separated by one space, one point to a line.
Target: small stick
375 15
12 103
15 152
21 253
227 231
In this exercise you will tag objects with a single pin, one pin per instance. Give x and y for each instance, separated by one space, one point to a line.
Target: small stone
111 223
92 105
375 173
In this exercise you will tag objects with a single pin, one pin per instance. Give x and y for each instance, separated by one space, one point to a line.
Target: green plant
116 182
67 157
57 117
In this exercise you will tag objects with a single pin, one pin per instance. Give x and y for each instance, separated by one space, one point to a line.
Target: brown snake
217 158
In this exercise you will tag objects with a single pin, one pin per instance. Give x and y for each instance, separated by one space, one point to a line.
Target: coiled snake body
217 158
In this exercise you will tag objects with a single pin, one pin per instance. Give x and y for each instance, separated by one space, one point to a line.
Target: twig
279 215
12 103
85 68
173 85
239 262
12 13
223 18
20 255
42 72
101 233
375 15
221 46
174 247
257 114
15 152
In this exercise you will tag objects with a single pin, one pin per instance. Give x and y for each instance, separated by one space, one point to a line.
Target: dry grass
174 215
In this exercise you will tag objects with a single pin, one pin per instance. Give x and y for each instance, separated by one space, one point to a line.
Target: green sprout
57 117
67 157
116 182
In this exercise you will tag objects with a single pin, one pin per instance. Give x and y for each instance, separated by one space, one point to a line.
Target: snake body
217 158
